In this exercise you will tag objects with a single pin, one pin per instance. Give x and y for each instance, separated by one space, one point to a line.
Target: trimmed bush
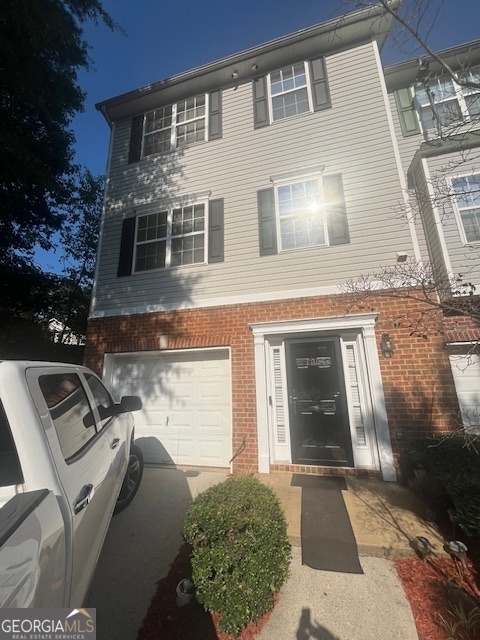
455 472
241 551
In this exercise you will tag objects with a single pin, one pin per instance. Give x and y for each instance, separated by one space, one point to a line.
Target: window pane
301 215
473 104
188 250
188 220
471 224
158 119
191 108
290 104
150 256
157 142
152 227
467 197
288 79
70 411
190 133
103 400
449 112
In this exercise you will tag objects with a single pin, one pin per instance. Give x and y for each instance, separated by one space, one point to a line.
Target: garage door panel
186 416
211 421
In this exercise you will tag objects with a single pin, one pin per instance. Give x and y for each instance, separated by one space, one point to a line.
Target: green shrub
240 551
454 469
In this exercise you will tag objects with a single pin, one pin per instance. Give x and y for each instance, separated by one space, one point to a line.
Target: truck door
84 462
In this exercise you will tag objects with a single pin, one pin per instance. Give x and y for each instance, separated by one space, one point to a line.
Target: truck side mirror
131 403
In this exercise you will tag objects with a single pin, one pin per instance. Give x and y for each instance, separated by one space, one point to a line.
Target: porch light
386 346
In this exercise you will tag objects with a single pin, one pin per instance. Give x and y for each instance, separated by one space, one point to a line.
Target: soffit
322 39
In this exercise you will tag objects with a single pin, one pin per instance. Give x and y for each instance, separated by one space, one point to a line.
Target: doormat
327 537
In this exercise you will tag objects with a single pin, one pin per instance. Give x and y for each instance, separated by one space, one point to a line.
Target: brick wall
417 380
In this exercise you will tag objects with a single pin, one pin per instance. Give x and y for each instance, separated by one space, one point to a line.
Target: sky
166 38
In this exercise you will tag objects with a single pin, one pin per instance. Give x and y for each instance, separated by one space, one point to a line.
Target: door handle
115 442
83 500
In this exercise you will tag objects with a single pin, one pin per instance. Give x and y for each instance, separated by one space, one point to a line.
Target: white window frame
284 180
175 125
459 95
458 210
168 240
270 96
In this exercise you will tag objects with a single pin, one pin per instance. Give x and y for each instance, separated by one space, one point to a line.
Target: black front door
319 427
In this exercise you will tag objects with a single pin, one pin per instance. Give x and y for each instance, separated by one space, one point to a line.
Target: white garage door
186 416
466 374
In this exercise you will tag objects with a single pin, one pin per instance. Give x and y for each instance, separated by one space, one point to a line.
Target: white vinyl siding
464 259
352 139
432 230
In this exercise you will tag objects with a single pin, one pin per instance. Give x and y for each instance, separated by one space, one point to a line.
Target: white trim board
365 323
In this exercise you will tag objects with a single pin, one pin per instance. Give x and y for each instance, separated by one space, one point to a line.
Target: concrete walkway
143 541
322 605
384 516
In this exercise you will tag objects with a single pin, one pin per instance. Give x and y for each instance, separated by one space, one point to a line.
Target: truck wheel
132 479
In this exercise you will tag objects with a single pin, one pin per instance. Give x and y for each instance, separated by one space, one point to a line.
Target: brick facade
417 380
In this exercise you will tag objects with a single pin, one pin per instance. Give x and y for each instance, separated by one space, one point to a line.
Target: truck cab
64 453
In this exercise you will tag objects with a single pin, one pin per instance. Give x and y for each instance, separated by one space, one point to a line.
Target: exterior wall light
386 345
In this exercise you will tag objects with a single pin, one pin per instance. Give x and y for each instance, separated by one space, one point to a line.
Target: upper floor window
174 126
174 236
299 213
446 103
171 238
290 91
466 193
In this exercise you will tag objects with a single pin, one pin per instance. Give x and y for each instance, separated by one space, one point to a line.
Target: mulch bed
425 586
166 621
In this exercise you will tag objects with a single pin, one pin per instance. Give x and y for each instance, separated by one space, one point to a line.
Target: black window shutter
215 231
267 228
215 116
320 90
406 112
337 222
136 132
126 248
260 103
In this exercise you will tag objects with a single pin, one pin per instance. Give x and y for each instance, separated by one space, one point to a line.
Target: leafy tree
41 51
79 238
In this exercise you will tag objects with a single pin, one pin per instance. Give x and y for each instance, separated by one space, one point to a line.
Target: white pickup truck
67 462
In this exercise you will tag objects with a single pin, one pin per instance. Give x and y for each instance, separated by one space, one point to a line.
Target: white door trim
363 322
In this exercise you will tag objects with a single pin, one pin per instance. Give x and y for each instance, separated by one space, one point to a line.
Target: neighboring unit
241 196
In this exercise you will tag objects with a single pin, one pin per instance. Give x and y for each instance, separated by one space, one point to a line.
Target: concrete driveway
140 546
